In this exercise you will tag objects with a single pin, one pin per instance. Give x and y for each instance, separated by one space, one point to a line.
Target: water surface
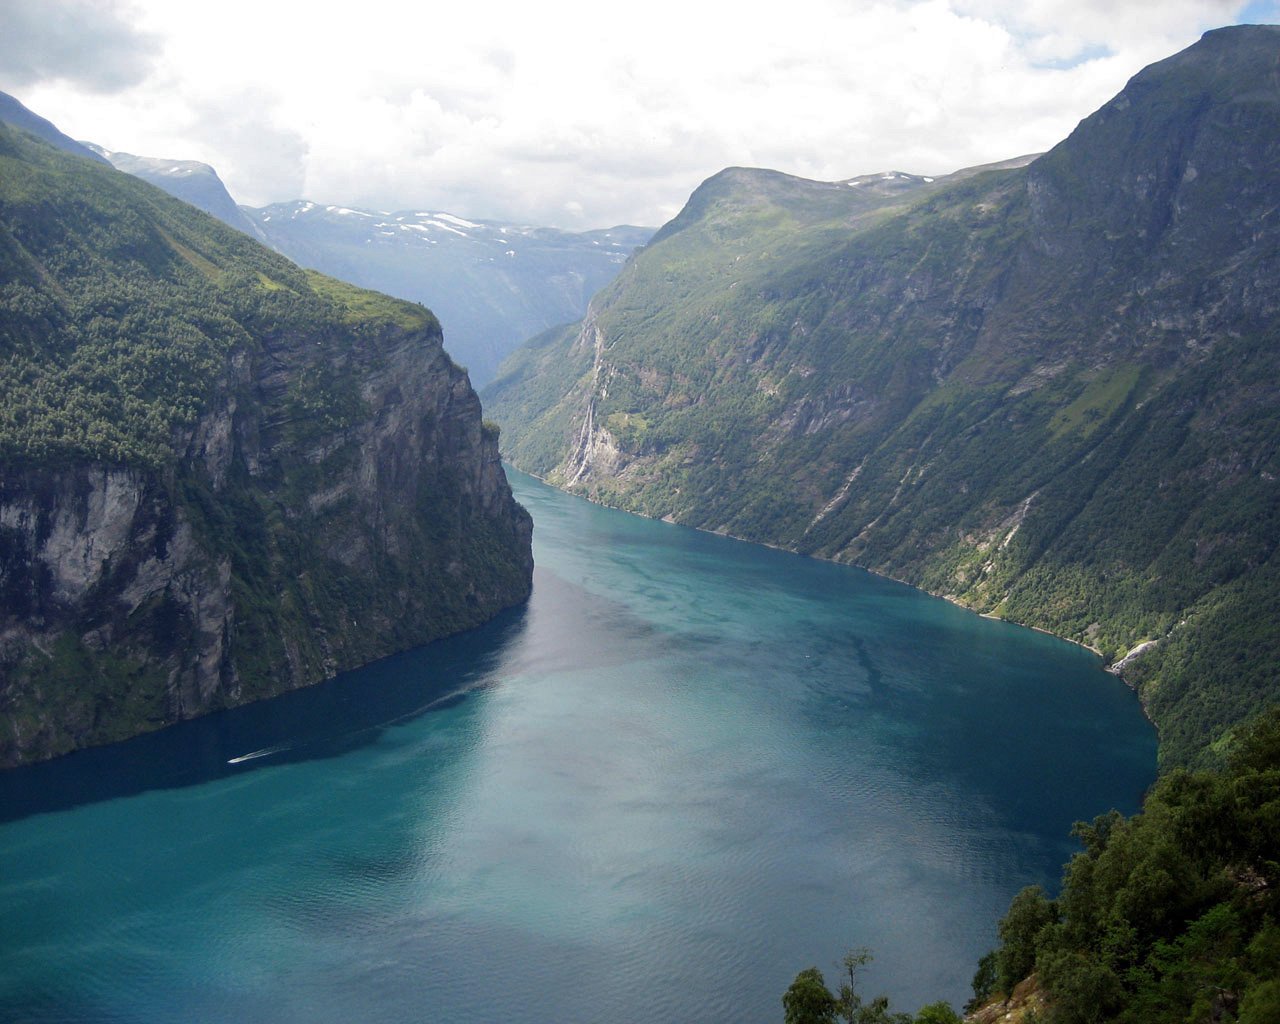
687 769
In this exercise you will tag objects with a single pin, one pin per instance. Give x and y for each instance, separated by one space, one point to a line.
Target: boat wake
254 754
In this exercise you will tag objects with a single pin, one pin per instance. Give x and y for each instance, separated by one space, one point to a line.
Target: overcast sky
578 114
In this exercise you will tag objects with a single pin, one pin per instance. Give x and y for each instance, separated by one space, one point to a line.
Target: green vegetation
362 307
809 1001
1040 391
121 306
1169 917
1100 398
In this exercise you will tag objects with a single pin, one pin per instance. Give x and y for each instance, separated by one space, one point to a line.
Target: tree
984 980
808 1000
1028 914
1261 1004
1083 991
849 1003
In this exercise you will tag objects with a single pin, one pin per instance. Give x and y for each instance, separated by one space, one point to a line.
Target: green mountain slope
1047 391
221 477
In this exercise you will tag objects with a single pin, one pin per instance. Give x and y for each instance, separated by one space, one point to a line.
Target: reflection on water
322 721
687 769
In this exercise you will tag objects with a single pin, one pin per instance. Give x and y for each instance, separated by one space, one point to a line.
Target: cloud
571 114
251 146
1062 30
92 44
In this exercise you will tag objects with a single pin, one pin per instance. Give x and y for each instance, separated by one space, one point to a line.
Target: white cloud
579 114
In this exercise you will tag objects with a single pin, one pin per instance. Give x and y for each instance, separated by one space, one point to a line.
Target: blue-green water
687 769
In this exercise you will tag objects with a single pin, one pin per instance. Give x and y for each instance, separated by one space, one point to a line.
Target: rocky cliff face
328 493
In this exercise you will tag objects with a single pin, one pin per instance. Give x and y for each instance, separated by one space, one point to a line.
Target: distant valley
492 285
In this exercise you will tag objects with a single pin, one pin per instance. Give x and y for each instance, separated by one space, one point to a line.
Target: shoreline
1114 668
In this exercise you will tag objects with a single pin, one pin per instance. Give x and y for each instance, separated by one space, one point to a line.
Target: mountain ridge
491 291
1044 391
13 111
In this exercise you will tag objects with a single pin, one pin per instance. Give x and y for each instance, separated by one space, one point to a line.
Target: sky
577 113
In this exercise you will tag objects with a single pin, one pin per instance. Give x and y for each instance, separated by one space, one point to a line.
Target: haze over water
689 768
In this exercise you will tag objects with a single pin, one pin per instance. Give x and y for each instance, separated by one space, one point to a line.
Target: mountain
189 180
1049 392
221 476
492 285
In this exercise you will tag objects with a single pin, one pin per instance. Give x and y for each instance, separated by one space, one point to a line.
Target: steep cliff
220 477
1047 391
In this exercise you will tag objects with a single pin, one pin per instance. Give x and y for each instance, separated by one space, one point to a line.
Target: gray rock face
221 477
130 600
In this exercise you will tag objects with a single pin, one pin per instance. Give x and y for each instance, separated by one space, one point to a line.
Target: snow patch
455 220
436 223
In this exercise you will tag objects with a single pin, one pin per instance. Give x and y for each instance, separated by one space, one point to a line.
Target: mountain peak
1177 132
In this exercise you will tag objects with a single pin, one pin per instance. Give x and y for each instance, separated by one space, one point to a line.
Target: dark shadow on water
321 721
